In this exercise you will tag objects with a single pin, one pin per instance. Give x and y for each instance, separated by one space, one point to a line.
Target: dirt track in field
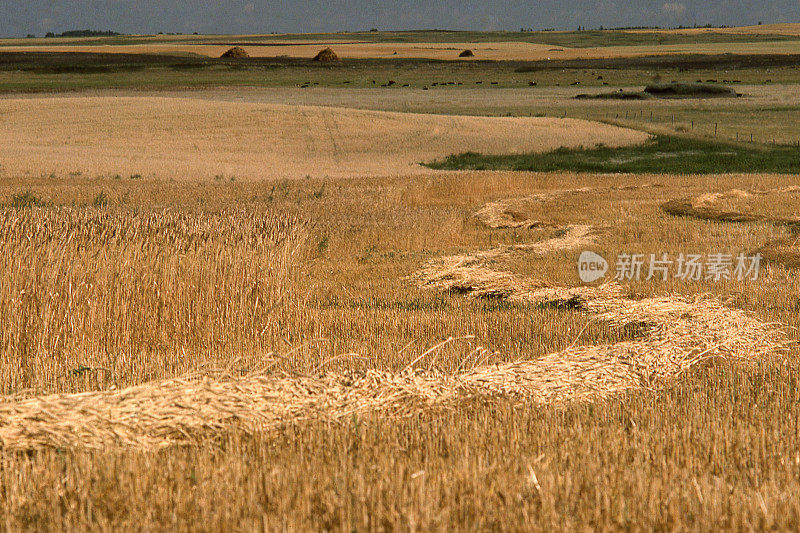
182 138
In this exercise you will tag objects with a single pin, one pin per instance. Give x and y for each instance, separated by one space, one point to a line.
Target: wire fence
713 129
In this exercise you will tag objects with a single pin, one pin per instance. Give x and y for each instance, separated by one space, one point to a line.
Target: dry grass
675 334
710 206
117 297
193 139
678 333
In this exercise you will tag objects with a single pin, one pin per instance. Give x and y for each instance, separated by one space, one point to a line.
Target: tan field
497 51
761 29
190 139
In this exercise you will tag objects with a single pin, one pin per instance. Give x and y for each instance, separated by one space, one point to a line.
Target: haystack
466 53
326 56
237 52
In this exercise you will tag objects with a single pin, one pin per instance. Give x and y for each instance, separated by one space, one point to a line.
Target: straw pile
473 275
326 56
675 333
467 53
785 251
237 52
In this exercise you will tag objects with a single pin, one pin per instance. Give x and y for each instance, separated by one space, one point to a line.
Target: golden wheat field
186 138
299 358
248 308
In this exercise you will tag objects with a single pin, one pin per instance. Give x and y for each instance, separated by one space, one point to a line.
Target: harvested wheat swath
510 213
677 333
471 274
784 251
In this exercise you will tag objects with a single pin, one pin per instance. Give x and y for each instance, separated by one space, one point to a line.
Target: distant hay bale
466 53
326 56
237 52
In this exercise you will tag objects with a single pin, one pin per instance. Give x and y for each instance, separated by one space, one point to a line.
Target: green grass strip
663 154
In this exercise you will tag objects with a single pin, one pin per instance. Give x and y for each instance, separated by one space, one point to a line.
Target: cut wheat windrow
670 334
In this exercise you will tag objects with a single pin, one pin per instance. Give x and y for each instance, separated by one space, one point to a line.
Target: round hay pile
326 56
466 53
237 52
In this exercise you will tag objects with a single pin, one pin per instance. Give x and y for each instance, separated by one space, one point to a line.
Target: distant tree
88 33
50 34
30 36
